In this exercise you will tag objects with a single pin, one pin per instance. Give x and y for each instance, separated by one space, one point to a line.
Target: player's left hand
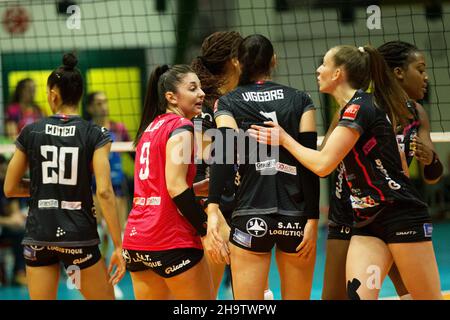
273 135
422 152
214 243
307 248
118 262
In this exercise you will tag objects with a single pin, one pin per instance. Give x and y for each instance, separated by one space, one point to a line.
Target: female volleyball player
277 199
392 223
408 66
162 245
61 152
218 71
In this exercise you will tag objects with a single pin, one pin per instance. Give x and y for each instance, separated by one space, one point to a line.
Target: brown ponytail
365 66
163 79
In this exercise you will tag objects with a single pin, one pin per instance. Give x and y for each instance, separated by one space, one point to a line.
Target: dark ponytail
365 66
68 79
217 50
163 79
255 56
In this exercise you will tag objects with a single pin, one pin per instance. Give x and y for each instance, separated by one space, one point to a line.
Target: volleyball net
119 42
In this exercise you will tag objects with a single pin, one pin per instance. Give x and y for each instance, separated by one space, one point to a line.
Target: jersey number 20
58 162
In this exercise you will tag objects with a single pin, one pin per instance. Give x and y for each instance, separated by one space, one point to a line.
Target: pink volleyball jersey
154 223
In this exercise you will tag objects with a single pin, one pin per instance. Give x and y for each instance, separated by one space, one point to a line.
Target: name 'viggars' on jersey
263 96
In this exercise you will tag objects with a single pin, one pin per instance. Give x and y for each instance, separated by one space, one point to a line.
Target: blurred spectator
23 109
12 229
97 108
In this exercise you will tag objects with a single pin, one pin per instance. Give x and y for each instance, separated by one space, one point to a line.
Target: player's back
60 150
271 169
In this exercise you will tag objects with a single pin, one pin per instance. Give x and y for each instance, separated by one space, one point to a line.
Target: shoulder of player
177 121
363 101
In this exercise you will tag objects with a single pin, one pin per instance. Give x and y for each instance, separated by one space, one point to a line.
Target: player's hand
422 152
307 248
118 262
274 135
214 243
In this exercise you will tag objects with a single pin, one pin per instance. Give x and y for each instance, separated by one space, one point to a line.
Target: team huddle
227 168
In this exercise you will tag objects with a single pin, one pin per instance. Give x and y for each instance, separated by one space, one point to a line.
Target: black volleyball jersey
340 205
406 135
60 149
270 182
373 167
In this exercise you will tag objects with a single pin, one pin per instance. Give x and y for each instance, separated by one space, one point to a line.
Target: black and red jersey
373 167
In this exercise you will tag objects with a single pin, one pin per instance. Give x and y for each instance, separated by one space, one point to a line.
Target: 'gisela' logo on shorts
256 227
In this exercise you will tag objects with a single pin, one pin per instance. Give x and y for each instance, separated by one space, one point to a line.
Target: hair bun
69 61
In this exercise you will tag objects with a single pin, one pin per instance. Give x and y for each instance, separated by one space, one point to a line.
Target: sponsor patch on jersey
153 201
264 165
71 205
48 204
29 253
242 238
351 112
428 229
150 201
282 167
257 227
278 166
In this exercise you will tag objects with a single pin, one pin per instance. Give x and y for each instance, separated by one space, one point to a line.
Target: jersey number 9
144 160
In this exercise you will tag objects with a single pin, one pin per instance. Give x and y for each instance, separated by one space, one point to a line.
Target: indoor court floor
440 241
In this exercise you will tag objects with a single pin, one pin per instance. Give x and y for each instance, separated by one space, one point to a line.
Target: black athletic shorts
259 233
339 231
399 224
166 263
41 256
